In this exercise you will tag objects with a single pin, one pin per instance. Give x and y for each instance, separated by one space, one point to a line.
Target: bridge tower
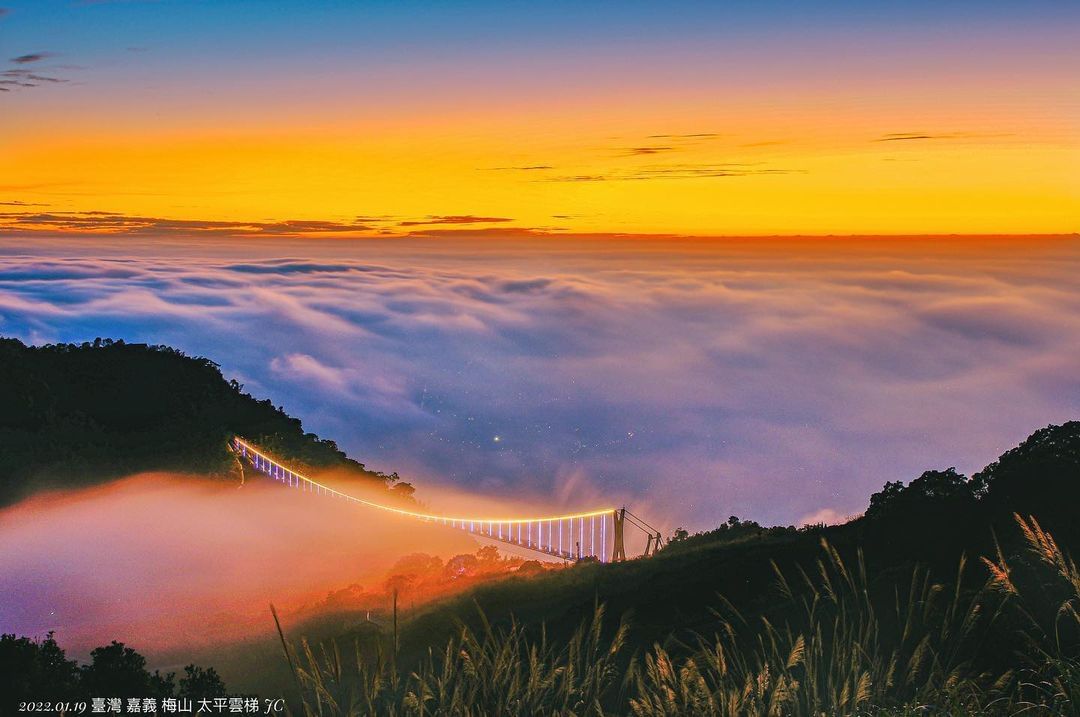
618 551
652 547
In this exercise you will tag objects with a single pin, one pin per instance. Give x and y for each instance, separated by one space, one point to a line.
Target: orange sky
831 130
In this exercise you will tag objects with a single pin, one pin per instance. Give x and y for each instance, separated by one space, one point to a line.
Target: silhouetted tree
30 670
198 683
679 535
530 567
1045 464
881 501
933 490
402 490
119 671
462 565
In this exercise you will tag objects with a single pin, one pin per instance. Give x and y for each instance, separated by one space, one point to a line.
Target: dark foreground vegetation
73 415
36 671
952 595
841 650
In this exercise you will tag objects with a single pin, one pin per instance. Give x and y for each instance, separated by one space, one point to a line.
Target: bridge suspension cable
572 536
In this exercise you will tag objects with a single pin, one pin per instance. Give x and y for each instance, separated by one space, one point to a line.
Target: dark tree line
32 670
1041 477
74 415
734 529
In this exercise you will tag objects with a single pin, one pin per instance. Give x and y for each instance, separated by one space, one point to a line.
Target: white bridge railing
570 537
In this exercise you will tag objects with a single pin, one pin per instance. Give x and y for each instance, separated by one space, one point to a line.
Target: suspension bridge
598 534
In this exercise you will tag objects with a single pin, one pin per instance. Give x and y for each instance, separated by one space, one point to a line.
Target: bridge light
283 474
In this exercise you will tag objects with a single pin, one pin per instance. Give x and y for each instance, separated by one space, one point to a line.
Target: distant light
497 439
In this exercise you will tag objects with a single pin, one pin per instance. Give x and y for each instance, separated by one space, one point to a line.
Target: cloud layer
771 379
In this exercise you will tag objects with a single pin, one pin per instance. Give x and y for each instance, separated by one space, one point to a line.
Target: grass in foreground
845 649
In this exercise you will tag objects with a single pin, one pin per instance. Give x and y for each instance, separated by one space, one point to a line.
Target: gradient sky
359 118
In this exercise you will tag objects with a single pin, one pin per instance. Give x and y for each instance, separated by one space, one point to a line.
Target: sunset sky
376 118
549 256
169 169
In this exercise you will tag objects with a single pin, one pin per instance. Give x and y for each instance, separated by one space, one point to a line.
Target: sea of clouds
778 380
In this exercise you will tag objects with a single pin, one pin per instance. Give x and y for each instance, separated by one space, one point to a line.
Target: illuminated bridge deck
592 534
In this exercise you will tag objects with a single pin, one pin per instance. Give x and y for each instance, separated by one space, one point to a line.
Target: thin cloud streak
455 219
910 136
32 57
699 135
643 151
116 223
676 171
26 78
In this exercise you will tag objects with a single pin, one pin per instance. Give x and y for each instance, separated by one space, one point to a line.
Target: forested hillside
76 415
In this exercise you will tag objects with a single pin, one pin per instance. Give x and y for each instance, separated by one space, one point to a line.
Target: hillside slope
76 415
934 522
